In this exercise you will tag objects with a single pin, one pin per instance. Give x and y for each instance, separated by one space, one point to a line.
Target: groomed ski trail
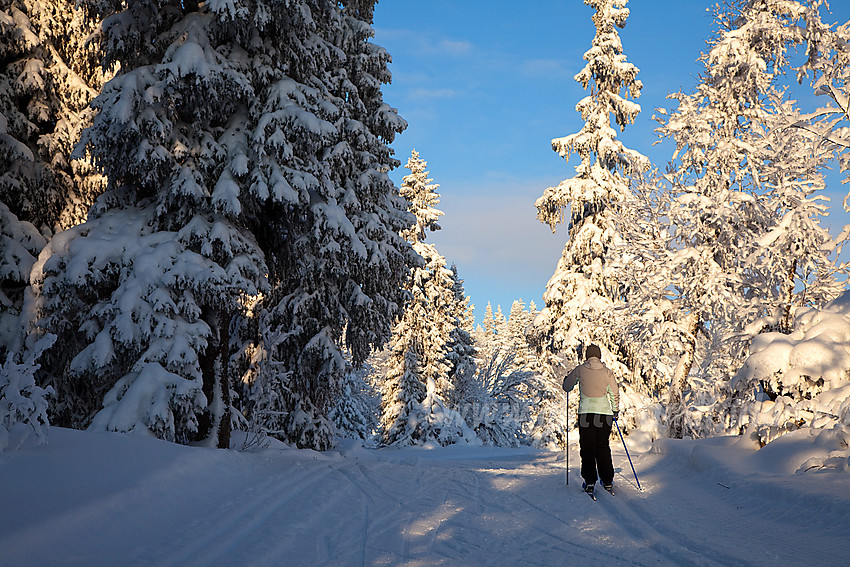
98 499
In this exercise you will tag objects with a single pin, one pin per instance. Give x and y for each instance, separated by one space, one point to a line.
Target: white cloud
422 93
503 236
546 67
501 250
415 41
455 48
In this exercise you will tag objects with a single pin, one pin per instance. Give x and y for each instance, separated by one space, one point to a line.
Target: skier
597 410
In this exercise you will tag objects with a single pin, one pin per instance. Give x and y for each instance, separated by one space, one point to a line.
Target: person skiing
598 408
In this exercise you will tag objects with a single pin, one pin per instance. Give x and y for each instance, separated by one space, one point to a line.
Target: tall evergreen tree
462 352
144 291
582 290
518 321
485 333
76 76
489 323
418 390
244 143
332 236
46 83
502 336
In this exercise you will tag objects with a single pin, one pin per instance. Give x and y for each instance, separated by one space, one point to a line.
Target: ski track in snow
93 500
674 546
237 525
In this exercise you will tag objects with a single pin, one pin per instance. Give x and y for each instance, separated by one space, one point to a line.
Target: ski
592 495
609 490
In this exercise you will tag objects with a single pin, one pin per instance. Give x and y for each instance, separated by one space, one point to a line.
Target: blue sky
486 85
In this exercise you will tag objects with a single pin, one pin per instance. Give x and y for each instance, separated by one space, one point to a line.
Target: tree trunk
675 404
224 426
788 298
215 421
207 362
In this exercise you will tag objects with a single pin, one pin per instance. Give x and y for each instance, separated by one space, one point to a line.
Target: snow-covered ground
115 499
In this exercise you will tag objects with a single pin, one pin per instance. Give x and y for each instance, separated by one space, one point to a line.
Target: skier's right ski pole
567 448
629 456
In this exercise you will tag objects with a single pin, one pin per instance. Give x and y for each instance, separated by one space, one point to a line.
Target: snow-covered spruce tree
42 109
44 103
20 240
721 219
76 76
144 316
356 412
502 339
489 323
210 140
519 321
533 361
332 237
23 404
417 393
144 292
583 291
20 244
485 333
462 352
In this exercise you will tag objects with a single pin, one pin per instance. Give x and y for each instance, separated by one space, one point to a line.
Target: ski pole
567 447
627 454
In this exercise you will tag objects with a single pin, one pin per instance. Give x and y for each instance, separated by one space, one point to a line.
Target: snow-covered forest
201 245
199 236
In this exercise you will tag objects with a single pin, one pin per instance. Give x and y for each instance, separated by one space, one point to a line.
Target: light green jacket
597 387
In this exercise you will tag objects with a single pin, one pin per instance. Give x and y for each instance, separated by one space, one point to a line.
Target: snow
803 373
90 498
142 401
23 404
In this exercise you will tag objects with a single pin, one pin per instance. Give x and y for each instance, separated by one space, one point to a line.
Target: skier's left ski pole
629 456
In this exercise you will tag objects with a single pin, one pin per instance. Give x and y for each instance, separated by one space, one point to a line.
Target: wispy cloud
454 48
497 242
404 39
547 67
423 93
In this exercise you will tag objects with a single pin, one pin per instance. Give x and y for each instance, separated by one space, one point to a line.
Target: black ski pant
594 430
